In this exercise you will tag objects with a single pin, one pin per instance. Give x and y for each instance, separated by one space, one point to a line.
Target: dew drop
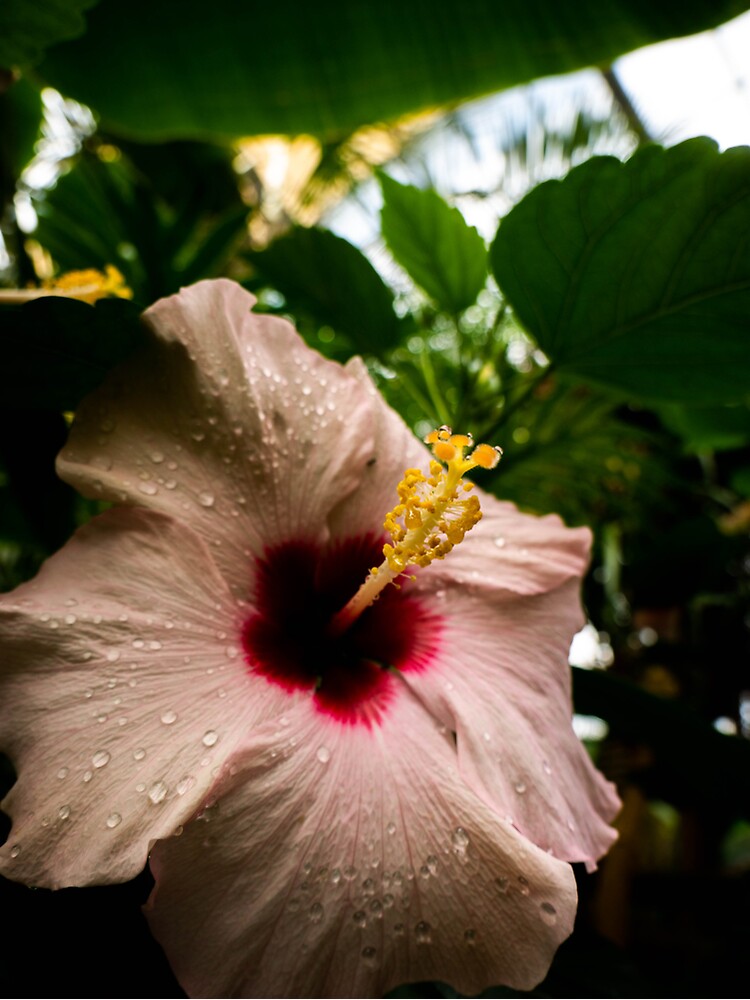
432 864
206 499
156 457
323 755
148 488
460 840
15 850
316 913
360 918
139 753
158 792
87 776
500 542
502 884
62 773
63 812
391 829
548 912
210 738
169 717
423 932
520 787
101 758
370 957
523 885
113 820
185 784
470 937
398 930
546 767
70 619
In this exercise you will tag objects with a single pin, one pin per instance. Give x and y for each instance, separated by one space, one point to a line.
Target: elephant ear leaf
636 275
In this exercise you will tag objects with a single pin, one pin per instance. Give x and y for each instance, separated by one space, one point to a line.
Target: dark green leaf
689 752
26 29
20 123
709 428
335 283
432 241
636 276
216 246
178 69
56 350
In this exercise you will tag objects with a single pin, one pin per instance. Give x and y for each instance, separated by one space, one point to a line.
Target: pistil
433 514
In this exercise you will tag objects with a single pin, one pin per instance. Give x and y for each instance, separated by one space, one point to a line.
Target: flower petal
123 691
228 422
342 861
501 681
513 551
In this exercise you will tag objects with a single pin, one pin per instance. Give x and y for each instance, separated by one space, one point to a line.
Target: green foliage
636 276
164 228
326 277
709 428
27 29
235 69
20 123
56 350
433 243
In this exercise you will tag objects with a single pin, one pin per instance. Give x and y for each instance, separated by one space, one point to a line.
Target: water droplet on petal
391 828
139 753
63 812
148 488
470 937
360 918
101 758
156 457
500 542
423 932
323 755
15 850
113 820
316 913
520 787
158 792
185 784
210 738
549 913
523 885
432 864
370 957
169 717
460 840
206 499
62 773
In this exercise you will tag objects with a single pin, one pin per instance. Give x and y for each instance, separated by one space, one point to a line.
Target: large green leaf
432 241
189 68
335 283
26 29
636 275
56 350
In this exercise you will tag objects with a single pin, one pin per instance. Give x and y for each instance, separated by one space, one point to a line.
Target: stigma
433 514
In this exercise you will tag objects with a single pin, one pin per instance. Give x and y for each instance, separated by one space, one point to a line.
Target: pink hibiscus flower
326 811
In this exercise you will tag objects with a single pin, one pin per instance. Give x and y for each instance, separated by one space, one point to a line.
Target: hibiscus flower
327 810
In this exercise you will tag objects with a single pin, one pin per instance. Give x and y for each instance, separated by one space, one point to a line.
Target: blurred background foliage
599 333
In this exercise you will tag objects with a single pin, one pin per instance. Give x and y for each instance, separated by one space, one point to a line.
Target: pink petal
343 861
512 551
501 681
123 692
228 422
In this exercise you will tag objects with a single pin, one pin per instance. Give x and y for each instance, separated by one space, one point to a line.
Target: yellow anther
433 514
485 456
444 450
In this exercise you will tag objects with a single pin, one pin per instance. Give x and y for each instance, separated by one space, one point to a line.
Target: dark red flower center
298 588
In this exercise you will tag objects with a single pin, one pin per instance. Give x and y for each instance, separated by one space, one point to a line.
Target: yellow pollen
90 285
432 515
